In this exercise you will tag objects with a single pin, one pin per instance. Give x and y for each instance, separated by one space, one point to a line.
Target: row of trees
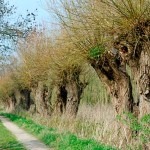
43 65
111 42
89 35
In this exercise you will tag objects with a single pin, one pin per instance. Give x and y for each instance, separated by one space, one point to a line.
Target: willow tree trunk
10 105
134 48
40 100
25 99
61 100
68 97
18 97
47 95
144 80
118 85
73 98
121 92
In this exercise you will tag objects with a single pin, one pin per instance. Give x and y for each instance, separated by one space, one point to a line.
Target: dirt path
30 142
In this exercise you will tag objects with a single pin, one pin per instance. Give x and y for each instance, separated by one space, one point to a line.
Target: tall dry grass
96 122
92 121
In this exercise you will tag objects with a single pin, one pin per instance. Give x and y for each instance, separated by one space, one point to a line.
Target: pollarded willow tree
133 44
66 68
35 63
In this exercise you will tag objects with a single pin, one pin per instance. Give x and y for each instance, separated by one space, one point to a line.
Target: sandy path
30 142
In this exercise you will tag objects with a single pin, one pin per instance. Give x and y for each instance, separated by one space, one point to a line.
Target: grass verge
54 139
8 141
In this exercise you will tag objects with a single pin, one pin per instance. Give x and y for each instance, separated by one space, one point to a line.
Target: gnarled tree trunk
25 99
10 104
73 98
144 80
47 95
134 48
42 99
68 96
61 100
118 84
121 92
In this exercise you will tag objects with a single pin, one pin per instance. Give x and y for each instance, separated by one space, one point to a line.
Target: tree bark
118 84
134 49
144 80
61 100
11 102
41 99
73 99
47 95
68 96
26 100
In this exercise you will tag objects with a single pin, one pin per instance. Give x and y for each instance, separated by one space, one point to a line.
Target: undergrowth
55 139
140 129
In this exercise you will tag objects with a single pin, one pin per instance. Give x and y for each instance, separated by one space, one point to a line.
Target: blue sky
32 5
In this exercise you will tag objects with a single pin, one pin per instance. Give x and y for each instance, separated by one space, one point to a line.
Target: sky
43 16
31 5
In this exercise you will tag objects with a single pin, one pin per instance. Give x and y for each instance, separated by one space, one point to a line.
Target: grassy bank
8 141
55 139
92 121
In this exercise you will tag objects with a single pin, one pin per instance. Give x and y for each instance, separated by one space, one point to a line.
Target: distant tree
11 29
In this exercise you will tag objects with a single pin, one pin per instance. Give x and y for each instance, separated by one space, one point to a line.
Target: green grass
58 141
8 141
